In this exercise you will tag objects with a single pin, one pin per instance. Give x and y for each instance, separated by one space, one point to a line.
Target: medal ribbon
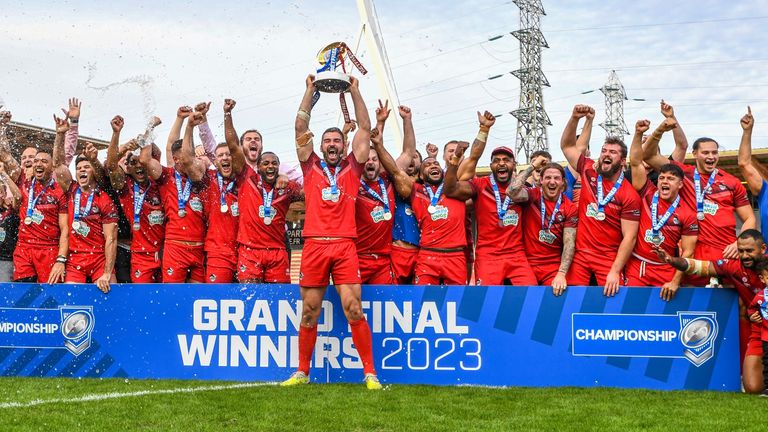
222 190
658 224
434 197
88 204
501 208
543 210
700 193
138 201
381 198
332 179
602 201
182 195
267 197
32 199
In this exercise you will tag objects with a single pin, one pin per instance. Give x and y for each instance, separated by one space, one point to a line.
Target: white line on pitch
115 395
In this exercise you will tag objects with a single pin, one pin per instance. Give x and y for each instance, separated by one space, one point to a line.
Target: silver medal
700 216
224 208
387 216
76 225
600 216
182 213
267 220
28 220
136 226
431 209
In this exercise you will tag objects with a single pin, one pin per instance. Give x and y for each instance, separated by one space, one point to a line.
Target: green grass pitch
35 404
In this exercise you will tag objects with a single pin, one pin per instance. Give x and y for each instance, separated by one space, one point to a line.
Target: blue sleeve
762 205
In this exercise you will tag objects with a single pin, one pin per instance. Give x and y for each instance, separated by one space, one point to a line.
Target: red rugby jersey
191 227
744 280
44 229
493 239
443 229
718 229
252 231
682 223
374 233
539 248
325 217
151 234
602 238
221 235
89 236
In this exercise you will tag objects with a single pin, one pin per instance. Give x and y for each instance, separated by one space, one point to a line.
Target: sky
140 58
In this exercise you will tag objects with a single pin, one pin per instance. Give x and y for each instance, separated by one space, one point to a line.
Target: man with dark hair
140 199
540 158
719 197
43 246
609 211
182 197
374 213
220 200
332 184
741 275
549 227
405 230
667 219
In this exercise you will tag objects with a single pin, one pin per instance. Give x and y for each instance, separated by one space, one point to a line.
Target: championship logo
76 326
697 333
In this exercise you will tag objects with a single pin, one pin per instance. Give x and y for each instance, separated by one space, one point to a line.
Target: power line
619 27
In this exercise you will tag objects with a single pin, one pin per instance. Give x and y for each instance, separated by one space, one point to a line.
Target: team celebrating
216 212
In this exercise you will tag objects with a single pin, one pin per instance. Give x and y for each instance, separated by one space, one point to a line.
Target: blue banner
497 336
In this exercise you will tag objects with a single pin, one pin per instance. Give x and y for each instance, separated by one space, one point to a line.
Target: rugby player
609 211
331 187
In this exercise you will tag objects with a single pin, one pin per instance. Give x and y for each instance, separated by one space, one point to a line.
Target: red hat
503 149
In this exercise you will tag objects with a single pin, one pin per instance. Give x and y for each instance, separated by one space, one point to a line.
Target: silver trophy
328 79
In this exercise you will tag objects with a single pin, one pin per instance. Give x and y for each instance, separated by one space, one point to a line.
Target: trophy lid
322 56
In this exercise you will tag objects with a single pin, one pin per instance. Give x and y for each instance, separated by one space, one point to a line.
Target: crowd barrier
490 335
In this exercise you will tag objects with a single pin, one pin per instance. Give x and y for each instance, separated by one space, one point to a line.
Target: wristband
482 136
61 259
304 115
227 114
74 120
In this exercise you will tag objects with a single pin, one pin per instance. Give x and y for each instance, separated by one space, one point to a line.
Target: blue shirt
570 180
406 227
762 204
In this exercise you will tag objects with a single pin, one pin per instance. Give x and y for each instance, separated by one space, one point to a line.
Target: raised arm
301 126
681 142
175 133
455 188
651 153
92 154
205 132
194 167
362 139
116 174
468 167
63 176
402 181
748 170
517 191
70 139
233 142
639 176
409 138
568 145
12 167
